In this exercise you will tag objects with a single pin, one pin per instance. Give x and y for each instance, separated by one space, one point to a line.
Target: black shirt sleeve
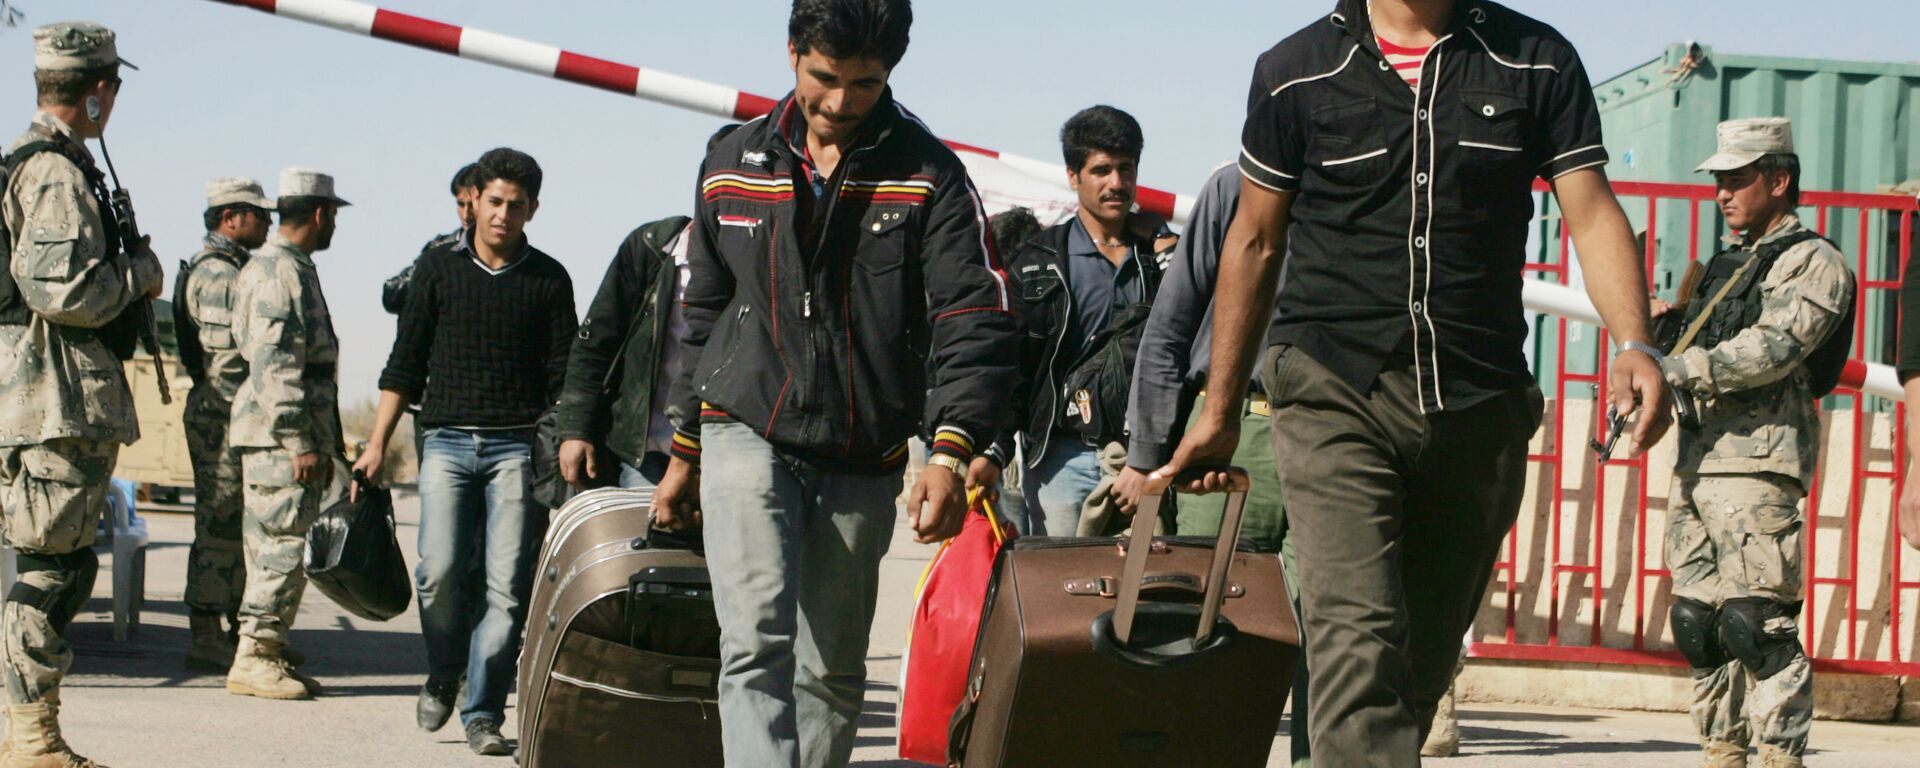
1270 141
406 371
560 329
1568 136
598 341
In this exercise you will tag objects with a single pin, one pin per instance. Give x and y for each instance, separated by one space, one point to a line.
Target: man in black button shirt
493 319
1402 402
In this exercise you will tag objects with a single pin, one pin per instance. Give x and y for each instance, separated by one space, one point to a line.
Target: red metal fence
1563 549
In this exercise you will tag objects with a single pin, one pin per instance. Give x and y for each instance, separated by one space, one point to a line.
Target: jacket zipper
834 183
1053 406
739 318
668 272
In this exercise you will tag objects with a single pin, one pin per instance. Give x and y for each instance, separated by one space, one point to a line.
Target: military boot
34 741
1721 754
259 671
209 651
1443 740
1775 757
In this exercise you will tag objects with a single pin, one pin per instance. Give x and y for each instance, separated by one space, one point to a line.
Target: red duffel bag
946 620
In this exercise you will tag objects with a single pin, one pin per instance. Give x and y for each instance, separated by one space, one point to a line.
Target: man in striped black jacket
843 294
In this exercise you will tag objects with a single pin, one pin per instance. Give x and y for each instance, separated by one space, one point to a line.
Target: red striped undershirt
1406 61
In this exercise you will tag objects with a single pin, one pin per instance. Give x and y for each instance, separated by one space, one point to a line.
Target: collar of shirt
465 246
1080 243
1787 225
1356 17
280 241
223 244
47 120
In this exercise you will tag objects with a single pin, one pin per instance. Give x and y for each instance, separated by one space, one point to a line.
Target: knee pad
76 572
1743 631
1696 633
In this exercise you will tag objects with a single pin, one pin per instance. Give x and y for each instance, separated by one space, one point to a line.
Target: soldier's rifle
132 242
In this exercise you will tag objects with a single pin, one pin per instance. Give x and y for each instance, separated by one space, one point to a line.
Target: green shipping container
1854 129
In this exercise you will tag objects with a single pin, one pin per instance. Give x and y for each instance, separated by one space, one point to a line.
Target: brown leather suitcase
1168 651
620 664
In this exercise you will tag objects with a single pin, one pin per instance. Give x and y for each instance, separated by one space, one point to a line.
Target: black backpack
121 334
1099 383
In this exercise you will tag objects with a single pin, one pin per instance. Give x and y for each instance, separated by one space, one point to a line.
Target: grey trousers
795 556
1397 519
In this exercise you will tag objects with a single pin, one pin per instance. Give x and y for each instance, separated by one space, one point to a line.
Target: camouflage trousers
54 494
1738 536
274 527
216 565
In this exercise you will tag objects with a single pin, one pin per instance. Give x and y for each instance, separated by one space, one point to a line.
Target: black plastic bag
353 555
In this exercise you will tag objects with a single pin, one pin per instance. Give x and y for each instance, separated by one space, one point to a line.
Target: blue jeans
647 475
795 555
474 502
1057 488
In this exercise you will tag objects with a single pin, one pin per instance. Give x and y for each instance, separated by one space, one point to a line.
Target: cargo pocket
60 500
1770 551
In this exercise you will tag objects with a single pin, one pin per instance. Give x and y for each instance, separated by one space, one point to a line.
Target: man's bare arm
1251 257
1616 281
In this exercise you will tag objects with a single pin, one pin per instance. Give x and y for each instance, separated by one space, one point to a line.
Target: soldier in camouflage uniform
237 217
1733 534
286 426
65 408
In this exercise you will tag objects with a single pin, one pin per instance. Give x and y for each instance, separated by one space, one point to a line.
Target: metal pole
650 84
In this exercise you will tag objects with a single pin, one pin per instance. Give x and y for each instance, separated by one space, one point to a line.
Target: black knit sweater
482 349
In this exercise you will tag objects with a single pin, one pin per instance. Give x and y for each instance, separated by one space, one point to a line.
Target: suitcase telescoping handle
1133 573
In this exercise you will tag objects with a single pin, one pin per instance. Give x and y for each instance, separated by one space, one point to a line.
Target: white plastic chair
129 558
127 535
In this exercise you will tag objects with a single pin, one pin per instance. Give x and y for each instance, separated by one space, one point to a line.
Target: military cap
307 182
75 45
237 190
1746 140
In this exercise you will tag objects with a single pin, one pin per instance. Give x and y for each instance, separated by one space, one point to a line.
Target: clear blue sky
229 91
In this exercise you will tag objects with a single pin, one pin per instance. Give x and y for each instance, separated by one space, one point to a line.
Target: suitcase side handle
1133 573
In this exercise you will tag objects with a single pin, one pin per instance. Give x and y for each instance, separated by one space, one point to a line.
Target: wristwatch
1644 348
950 461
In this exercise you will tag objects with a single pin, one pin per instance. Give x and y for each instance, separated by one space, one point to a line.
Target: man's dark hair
510 165
846 29
214 215
300 208
721 135
66 87
1100 129
1011 229
1774 165
465 178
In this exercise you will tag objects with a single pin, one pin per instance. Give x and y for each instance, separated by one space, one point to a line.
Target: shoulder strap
1766 254
1706 313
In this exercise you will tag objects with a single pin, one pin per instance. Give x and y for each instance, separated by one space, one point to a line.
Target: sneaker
483 737
434 706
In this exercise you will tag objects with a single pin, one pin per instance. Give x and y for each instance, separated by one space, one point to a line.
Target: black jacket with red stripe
893 316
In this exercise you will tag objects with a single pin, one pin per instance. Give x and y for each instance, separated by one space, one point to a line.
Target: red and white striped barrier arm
732 104
650 84
1877 379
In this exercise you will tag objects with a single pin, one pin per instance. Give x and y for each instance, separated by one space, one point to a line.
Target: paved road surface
135 704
